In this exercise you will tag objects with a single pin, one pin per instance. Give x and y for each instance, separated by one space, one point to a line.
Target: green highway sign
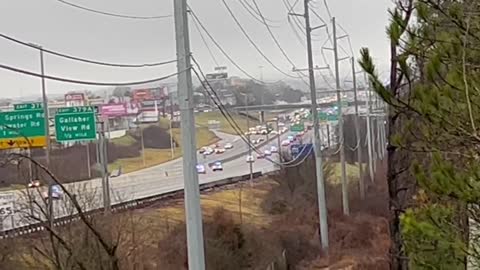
297 127
79 109
332 117
75 124
28 106
22 128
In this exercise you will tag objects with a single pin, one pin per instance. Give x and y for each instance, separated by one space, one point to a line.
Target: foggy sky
62 28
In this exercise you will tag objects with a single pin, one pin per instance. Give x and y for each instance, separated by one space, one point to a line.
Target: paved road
136 185
144 183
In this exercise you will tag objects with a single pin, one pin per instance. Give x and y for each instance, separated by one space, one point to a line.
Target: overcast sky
59 27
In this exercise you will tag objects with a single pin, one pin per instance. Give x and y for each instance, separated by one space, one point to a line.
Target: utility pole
102 150
369 132
346 208
47 133
45 109
328 135
322 205
278 141
248 138
172 142
89 170
143 146
357 133
195 244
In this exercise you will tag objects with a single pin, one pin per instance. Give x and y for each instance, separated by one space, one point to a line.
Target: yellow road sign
30 142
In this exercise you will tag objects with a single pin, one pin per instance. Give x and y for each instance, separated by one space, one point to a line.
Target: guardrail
123 206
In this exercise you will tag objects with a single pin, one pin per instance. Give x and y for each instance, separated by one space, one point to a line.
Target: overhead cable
75 58
237 22
195 17
74 81
255 15
276 40
114 14
226 114
205 42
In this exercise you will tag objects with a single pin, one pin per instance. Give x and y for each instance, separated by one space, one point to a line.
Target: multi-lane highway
145 183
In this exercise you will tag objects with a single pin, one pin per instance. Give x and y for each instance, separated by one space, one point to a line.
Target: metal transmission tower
322 205
195 247
346 208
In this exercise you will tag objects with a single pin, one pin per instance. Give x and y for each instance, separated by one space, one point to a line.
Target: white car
273 149
219 150
208 151
228 146
267 153
217 166
286 143
264 132
34 184
274 132
250 159
201 169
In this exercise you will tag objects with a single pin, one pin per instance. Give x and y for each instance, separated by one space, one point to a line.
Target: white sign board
7 201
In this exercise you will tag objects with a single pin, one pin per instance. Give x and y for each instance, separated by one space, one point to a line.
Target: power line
205 42
276 40
195 17
75 58
325 2
348 40
114 14
253 43
254 14
74 81
226 114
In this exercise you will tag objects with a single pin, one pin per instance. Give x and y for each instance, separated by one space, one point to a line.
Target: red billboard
157 93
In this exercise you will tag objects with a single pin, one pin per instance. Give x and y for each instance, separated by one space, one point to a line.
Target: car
202 150
253 141
274 132
260 155
228 146
286 143
34 184
280 124
57 193
250 159
263 132
267 153
290 138
273 149
201 169
260 140
208 151
217 166
219 150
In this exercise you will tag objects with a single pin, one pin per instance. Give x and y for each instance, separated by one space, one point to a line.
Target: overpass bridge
285 107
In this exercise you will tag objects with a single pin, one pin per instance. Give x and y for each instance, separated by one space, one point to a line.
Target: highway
137 185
